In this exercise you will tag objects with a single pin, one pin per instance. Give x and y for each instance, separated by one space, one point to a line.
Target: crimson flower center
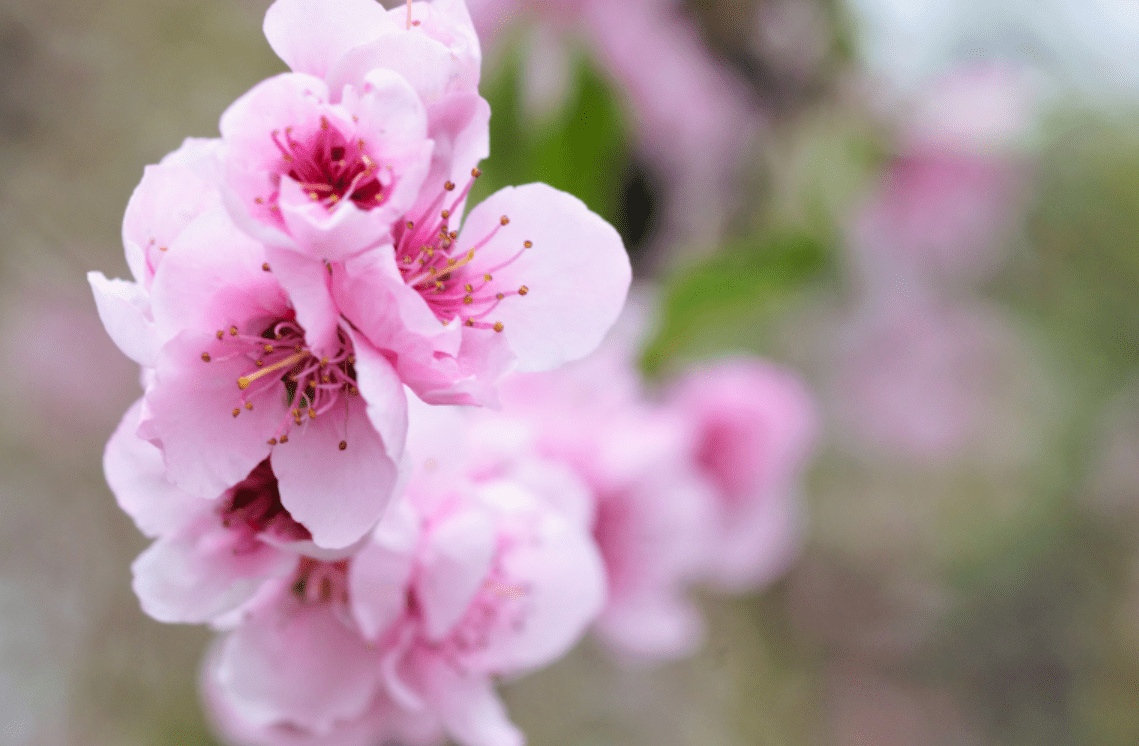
331 167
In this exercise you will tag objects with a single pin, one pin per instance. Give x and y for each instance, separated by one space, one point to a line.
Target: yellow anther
233 331
468 300
451 262
236 412
284 438
343 445
445 214
498 326
260 363
528 244
311 413
504 220
487 278
268 348
407 259
500 296
410 225
523 290
324 361
272 441
259 201
453 235
468 288
220 334
326 378
205 357
470 322
449 186
476 173
265 266
249 405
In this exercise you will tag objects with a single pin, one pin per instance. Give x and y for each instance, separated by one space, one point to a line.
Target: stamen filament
291 360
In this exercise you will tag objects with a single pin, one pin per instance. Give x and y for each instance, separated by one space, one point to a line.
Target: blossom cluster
353 451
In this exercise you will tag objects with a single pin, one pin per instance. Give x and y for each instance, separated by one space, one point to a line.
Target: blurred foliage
717 304
582 148
1080 275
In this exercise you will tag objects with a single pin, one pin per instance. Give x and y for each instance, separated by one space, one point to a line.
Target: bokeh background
928 208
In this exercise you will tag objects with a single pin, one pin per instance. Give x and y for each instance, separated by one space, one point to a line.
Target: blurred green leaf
707 307
581 149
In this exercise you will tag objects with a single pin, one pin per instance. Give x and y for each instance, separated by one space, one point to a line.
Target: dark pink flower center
283 369
448 280
330 167
254 504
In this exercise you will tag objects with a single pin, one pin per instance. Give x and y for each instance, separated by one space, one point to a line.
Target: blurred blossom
696 482
938 382
944 207
693 116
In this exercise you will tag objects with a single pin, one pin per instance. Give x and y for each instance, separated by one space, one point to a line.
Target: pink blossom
936 381
754 427
320 172
653 510
532 281
237 381
463 582
947 202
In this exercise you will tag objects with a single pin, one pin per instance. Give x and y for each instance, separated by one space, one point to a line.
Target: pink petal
204 571
207 449
213 277
562 571
471 712
298 663
455 562
577 273
307 283
338 495
124 309
310 35
384 394
653 627
137 477
170 195
380 574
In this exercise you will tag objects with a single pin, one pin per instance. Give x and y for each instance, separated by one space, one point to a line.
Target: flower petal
137 477
204 571
577 274
380 574
213 277
467 704
455 562
310 35
338 495
124 309
298 663
207 449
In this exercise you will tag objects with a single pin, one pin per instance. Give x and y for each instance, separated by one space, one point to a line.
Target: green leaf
712 306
